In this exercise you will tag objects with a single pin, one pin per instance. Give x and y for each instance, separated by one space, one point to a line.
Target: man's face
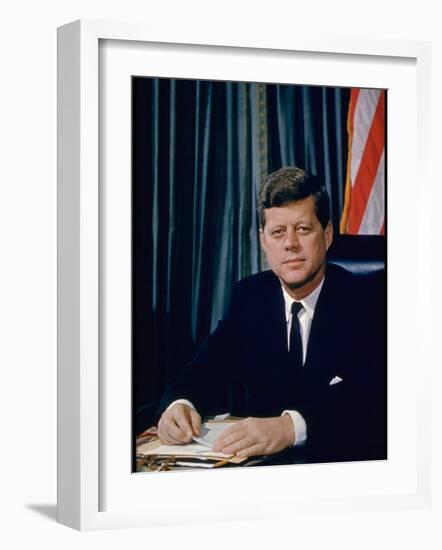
295 244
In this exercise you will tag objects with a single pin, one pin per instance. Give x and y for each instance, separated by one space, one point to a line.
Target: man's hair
290 184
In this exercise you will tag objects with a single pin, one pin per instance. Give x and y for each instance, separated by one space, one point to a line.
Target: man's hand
257 436
178 425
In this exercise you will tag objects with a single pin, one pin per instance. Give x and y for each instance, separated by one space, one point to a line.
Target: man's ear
328 232
262 237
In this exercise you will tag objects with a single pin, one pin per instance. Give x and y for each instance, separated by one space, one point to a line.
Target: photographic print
258 274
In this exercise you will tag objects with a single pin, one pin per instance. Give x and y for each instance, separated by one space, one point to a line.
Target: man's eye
303 229
277 232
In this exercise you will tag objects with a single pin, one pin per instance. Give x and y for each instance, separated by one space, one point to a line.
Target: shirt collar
308 303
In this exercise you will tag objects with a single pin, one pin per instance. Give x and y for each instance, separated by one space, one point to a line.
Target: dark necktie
295 352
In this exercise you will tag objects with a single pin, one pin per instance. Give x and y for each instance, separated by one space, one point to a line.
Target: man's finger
170 429
182 420
175 433
237 447
165 437
228 437
253 450
168 432
195 420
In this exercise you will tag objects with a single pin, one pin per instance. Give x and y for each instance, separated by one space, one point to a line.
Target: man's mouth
294 261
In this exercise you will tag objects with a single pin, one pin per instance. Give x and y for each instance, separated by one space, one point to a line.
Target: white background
28 268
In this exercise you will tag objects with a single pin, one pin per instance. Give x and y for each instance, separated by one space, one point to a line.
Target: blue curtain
308 129
200 152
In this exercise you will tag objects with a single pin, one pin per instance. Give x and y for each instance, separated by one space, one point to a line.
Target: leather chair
361 254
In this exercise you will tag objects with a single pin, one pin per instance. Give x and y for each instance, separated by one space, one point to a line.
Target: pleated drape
308 129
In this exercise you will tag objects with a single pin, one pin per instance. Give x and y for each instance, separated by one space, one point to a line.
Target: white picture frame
81 473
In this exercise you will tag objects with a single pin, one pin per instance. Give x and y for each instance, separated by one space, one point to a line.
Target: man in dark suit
301 350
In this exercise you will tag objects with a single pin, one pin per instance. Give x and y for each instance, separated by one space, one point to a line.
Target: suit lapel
325 329
276 326
266 320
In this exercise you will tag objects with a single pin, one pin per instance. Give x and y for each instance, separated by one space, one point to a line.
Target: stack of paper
200 451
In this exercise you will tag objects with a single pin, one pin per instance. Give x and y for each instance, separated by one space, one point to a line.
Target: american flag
364 202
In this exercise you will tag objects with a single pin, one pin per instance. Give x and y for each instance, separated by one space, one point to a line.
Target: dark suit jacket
243 366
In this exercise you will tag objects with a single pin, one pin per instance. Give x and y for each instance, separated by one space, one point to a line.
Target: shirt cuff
183 401
300 427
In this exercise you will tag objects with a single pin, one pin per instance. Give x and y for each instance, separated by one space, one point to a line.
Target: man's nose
291 240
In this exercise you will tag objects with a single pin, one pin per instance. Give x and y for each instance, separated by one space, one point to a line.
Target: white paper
210 431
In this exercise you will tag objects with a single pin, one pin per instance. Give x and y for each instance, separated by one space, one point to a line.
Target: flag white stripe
363 117
374 211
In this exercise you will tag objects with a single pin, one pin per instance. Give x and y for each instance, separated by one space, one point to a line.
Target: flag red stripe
367 169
